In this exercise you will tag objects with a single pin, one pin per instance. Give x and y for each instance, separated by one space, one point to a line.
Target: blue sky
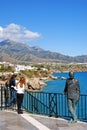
55 25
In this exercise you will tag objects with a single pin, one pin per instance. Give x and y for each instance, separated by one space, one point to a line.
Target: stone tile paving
13 121
59 123
10 120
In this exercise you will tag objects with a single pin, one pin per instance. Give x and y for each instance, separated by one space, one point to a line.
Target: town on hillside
37 74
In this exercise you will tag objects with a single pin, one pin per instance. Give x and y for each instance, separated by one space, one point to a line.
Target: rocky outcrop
38 83
35 84
2 82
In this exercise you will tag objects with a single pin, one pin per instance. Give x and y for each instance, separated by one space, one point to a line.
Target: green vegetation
4 68
71 67
35 73
30 73
44 70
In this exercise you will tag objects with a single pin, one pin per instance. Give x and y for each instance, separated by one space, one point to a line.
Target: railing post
1 96
6 95
49 105
56 105
53 104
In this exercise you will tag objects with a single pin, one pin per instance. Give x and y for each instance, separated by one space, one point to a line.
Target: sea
59 84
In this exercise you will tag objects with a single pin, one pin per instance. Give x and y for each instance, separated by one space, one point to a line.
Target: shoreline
40 82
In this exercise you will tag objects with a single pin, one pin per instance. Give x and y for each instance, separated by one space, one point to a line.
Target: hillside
16 52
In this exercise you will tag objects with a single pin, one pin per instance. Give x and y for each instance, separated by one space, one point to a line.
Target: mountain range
16 52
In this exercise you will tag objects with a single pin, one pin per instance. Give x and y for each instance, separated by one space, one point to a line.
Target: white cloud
17 33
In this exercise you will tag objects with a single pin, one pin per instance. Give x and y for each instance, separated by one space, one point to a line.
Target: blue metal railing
4 97
50 104
53 104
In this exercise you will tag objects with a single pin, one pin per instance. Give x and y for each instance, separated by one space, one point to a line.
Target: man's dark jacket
72 89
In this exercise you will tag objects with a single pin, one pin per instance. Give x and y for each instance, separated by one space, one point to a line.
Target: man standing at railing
72 89
12 84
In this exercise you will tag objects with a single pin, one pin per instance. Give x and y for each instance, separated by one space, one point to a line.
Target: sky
55 25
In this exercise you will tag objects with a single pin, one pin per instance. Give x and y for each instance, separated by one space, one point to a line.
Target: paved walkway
10 120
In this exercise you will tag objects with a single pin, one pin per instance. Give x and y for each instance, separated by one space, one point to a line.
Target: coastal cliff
38 83
34 82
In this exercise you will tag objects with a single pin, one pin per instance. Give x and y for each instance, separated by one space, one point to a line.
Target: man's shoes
73 121
70 121
9 107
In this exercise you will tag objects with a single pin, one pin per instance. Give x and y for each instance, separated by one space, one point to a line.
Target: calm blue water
58 85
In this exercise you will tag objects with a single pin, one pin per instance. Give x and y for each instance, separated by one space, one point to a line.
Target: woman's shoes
20 112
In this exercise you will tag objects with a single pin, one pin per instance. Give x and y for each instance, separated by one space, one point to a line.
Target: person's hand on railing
63 78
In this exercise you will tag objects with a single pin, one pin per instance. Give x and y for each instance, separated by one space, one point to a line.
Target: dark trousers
19 101
12 98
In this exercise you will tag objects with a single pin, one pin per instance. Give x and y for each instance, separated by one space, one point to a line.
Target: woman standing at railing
20 88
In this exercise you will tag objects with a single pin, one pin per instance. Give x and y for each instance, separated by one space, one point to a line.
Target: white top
19 89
